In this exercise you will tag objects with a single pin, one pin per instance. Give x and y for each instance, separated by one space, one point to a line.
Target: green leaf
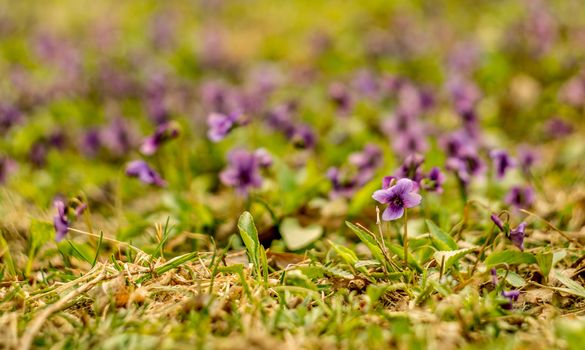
249 236
338 272
513 278
572 286
545 261
297 237
399 250
345 253
451 256
510 257
441 240
368 240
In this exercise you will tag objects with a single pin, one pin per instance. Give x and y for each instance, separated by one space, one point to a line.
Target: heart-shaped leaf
296 236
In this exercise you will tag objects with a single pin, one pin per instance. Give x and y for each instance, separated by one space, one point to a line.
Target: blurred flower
264 158
370 157
435 180
409 142
163 133
118 136
9 116
303 136
466 165
388 181
38 153
398 197
144 173
339 94
220 125
526 158
512 297
91 142
343 183
60 220
557 127
243 171
360 169
410 168
502 162
520 197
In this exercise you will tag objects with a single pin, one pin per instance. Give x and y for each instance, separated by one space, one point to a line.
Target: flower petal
411 199
383 196
403 186
393 212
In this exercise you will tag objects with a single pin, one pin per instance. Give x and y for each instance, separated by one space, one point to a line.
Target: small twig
35 325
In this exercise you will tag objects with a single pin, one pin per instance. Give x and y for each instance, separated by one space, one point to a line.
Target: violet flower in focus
60 220
502 162
398 197
520 197
163 133
144 173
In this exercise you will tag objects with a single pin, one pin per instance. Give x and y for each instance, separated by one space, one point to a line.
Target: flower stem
405 238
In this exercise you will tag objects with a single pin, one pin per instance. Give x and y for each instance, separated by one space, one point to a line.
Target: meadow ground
292 174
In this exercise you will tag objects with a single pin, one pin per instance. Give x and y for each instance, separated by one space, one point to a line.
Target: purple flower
411 141
526 158
498 222
398 197
163 133
517 236
303 136
340 96
512 297
118 136
410 168
219 126
520 197
91 142
243 171
38 153
343 184
60 220
369 157
557 127
144 173
502 162
435 180
466 164
9 116
388 181
264 158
